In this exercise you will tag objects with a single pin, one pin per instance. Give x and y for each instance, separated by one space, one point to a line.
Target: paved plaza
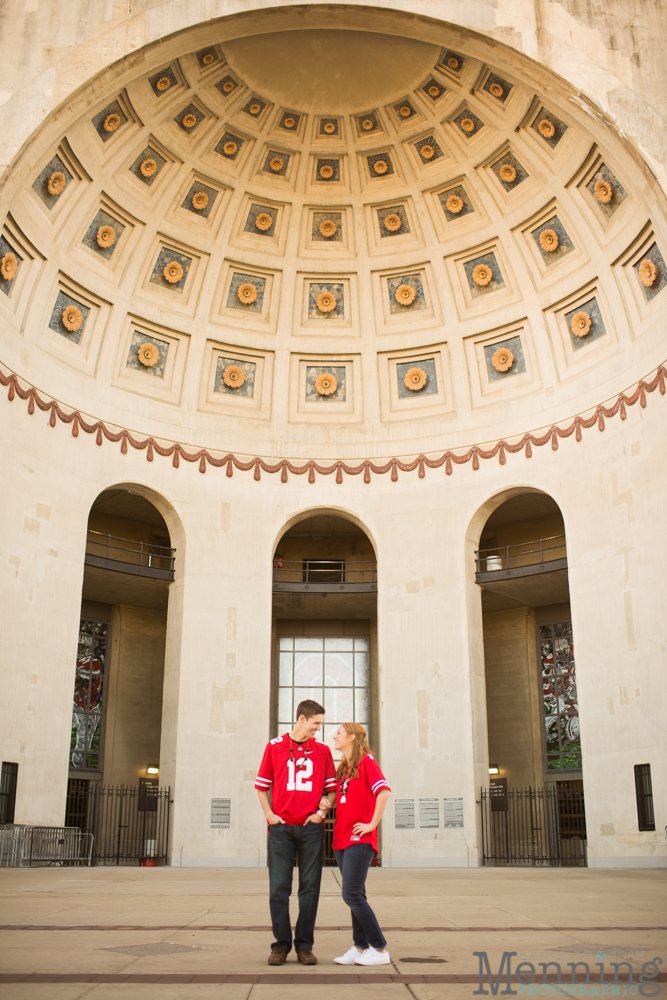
196 934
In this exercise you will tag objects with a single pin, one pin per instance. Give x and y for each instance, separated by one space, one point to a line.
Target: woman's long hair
359 748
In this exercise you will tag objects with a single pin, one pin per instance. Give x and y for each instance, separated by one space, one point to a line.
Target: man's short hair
308 709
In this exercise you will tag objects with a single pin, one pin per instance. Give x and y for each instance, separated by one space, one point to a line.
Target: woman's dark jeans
354 863
285 844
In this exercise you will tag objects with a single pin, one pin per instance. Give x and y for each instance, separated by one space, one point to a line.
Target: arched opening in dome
532 709
325 627
120 661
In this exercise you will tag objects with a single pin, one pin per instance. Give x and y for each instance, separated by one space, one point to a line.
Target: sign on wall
453 812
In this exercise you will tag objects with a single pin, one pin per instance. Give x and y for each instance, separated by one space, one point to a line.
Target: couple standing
299 772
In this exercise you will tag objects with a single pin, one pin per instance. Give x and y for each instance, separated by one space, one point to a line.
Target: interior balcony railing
123 555
506 562
324 576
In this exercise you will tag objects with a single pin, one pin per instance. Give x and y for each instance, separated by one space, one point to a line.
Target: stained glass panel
85 742
559 695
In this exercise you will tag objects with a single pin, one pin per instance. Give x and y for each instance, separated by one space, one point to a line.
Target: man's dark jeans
354 863
285 844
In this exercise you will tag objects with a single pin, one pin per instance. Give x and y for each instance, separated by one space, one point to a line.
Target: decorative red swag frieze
177 451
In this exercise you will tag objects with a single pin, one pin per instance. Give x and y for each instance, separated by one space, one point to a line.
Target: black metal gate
534 826
130 825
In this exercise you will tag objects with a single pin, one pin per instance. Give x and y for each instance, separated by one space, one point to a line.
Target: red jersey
298 774
355 803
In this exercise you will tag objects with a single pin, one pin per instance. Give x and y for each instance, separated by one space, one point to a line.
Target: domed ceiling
330 243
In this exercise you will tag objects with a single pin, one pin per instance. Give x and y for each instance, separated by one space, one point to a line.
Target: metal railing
534 826
503 557
125 550
338 573
24 846
130 824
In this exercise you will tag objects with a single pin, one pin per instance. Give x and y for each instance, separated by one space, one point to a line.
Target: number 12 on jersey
298 773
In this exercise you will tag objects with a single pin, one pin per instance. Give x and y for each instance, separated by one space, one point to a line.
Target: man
298 770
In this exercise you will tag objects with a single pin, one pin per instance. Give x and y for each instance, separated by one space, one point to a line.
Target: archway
115 747
534 741
324 623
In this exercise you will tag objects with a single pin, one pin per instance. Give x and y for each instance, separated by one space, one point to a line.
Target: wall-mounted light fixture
152 769
493 769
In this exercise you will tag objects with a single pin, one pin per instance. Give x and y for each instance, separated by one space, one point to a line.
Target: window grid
334 671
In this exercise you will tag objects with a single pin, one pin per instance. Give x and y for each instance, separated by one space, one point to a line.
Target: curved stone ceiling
340 72
330 243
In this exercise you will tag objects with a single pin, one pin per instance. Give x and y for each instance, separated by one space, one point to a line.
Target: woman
361 798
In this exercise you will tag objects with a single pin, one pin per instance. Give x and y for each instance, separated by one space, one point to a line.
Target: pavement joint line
332 927
272 979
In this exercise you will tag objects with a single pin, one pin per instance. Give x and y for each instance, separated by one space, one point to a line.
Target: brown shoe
306 957
277 957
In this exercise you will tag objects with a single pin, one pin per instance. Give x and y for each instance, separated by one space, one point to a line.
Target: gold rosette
328 228
380 167
453 62
367 124
8 266
326 384
496 90
326 171
172 272
106 237
148 167
427 152
164 83
392 222
329 128
507 173
580 324
72 318
289 122
199 200
502 359
467 124
277 164
434 90
254 109
111 122
482 274
56 182
229 148
247 293
263 221
405 111
648 272
546 128
189 120
405 295
228 86
415 379
454 204
233 376
208 58
326 302
148 355
603 192
549 240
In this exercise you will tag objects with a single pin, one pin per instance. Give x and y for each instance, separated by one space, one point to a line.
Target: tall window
334 672
8 779
559 692
644 791
88 693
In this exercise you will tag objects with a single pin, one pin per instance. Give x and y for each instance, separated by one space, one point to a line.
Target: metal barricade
24 846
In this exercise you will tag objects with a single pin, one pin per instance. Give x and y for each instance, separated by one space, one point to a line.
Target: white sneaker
372 957
349 957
